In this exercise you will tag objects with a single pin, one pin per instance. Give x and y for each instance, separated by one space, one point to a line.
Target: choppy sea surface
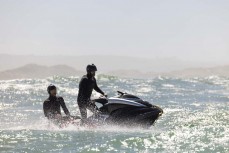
195 119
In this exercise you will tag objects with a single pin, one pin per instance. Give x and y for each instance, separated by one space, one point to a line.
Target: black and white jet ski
125 109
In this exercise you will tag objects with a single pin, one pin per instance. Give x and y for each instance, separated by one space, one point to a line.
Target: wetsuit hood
91 67
50 87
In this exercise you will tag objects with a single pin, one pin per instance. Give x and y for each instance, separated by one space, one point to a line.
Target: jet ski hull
134 116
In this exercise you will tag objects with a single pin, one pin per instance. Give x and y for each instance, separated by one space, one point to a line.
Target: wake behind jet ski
125 109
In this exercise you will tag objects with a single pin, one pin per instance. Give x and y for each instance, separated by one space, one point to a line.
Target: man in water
52 105
86 86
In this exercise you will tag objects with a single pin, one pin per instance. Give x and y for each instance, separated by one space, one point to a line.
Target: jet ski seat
136 99
102 101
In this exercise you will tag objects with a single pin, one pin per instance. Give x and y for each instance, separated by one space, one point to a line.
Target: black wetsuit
86 86
52 105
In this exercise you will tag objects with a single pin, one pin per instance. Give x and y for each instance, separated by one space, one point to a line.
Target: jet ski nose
160 113
159 109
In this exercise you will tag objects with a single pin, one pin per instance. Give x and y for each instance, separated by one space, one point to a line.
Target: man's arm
83 85
62 103
96 88
46 109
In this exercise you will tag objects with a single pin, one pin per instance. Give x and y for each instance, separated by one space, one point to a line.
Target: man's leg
83 110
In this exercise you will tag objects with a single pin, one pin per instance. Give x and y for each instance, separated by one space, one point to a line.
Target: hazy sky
187 29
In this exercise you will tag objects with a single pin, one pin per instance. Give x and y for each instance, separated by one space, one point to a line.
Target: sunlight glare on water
195 117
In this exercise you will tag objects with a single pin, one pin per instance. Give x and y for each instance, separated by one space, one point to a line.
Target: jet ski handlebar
120 93
103 96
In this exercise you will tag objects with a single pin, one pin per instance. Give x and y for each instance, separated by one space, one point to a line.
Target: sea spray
195 117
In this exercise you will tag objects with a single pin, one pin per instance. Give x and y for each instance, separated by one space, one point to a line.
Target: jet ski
125 109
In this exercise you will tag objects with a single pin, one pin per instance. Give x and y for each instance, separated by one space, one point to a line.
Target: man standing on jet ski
51 106
86 86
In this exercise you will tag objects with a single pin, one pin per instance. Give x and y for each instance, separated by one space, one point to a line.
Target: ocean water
195 119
